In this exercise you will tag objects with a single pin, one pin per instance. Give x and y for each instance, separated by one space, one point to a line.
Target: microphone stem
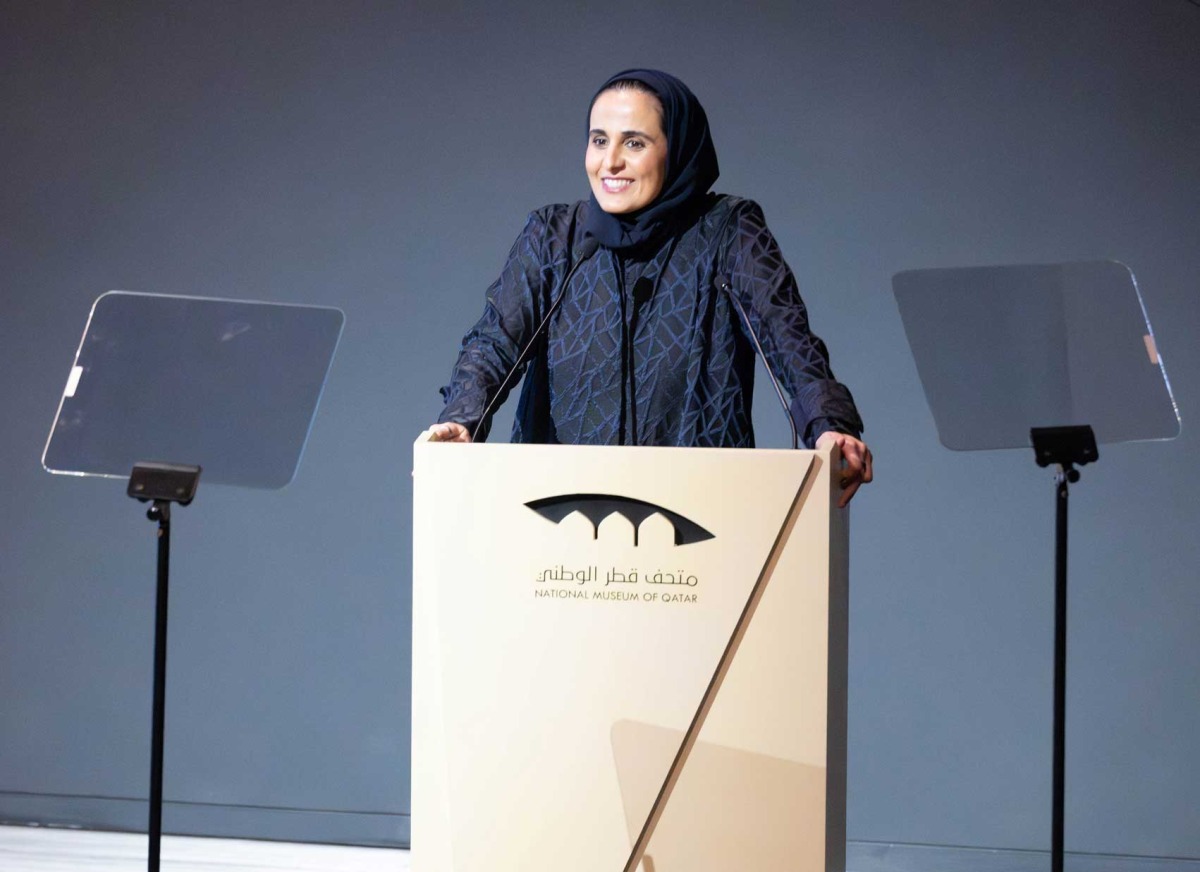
724 284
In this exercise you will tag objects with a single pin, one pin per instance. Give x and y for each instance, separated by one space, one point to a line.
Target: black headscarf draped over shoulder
691 166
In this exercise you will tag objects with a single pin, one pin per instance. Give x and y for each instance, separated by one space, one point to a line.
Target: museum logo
597 507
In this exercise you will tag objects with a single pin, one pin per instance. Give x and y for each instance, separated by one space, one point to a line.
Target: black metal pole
1066 474
1065 446
160 511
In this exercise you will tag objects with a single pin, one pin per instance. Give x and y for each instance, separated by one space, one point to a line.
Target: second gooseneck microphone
722 283
585 250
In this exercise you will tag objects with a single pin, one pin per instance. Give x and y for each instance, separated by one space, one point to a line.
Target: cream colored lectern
627 659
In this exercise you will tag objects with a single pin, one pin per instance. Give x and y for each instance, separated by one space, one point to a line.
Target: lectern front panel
623 657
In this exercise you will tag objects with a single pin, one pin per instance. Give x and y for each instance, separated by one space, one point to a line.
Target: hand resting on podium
856 459
449 432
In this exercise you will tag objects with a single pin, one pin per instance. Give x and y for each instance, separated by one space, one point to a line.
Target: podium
627 658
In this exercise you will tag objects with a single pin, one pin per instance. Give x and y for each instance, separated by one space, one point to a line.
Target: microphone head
642 290
587 248
721 282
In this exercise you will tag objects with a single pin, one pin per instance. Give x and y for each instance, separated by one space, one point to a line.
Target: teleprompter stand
229 384
1004 351
1066 447
160 484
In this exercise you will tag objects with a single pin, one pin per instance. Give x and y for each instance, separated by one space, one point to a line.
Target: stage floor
50 849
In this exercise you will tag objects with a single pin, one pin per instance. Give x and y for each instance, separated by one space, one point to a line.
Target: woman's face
626 157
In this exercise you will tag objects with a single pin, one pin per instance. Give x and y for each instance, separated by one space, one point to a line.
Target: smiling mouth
615 186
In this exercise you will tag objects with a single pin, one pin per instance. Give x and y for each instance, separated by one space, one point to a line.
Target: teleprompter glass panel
226 384
1003 349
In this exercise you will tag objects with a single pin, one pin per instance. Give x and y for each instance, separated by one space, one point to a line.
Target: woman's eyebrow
640 133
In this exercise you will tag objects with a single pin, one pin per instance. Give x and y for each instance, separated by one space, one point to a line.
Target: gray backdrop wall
380 157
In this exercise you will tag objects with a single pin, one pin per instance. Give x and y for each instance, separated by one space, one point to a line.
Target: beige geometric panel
730 810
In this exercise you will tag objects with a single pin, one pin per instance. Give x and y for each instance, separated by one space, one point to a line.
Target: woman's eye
635 144
599 141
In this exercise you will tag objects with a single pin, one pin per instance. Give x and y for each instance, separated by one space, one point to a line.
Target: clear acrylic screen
229 385
1003 349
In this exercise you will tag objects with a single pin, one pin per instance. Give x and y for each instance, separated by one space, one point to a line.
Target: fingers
450 432
866 461
860 461
848 492
855 473
857 464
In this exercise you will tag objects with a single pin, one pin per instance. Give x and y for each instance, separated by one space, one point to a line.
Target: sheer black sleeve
767 289
510 315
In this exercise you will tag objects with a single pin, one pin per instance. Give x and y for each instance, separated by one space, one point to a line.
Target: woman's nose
614 159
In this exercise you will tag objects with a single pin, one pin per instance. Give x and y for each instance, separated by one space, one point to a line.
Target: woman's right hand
450 432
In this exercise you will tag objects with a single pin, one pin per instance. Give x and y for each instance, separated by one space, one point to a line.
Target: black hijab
691 167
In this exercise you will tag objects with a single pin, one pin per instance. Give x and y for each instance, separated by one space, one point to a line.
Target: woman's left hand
856 460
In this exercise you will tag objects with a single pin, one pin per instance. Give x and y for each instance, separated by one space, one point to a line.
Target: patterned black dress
645 349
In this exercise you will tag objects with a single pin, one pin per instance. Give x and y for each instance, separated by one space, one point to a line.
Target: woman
647 347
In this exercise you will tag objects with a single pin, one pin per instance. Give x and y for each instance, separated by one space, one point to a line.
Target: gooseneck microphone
722 283
585 250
